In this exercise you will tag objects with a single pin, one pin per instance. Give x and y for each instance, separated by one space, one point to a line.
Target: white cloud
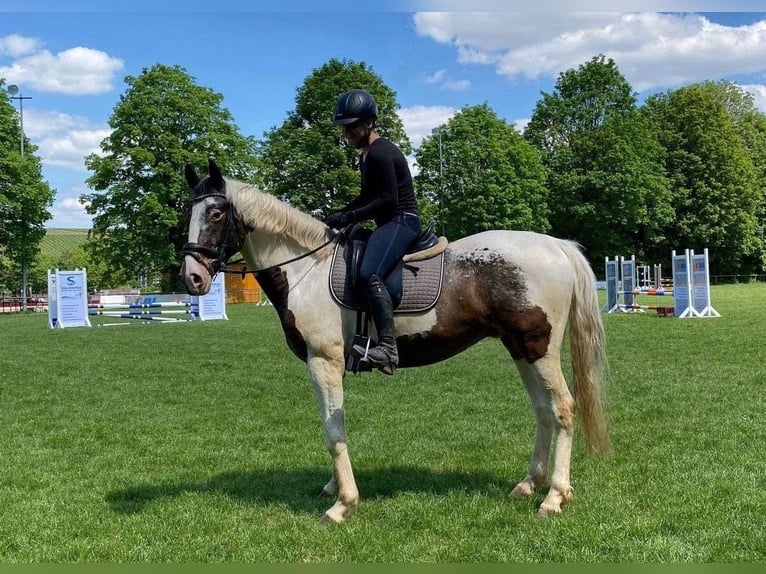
63 140
488 35
69 212
457 85
436 77
446 83
759 95
76 71
651 50
521 124
73 203
420 121
15 45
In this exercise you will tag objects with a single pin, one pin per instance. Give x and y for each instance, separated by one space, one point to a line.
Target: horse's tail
587 338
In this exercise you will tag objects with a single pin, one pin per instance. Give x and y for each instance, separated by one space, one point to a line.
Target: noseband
218 255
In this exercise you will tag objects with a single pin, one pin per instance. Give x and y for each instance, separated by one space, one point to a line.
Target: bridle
218 255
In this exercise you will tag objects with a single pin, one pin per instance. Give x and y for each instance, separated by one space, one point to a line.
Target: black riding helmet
354 106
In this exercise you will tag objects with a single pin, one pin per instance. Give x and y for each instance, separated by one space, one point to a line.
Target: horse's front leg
327 380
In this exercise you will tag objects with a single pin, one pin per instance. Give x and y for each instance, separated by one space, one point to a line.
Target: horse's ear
191 176
215 174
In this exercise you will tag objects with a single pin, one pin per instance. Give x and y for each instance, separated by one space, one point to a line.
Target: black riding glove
339 220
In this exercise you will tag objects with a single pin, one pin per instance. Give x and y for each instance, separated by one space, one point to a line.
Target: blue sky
73 64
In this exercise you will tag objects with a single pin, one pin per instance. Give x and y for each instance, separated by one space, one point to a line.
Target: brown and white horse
524 288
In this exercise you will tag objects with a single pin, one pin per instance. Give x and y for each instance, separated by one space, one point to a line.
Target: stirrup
387 363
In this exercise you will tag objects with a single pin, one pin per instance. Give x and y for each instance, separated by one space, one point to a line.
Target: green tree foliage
712 137
65 249
754 134
606 176
305 161
163 121
24 198
750 123
478 173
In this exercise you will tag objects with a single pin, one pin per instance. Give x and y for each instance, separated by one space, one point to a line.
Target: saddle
414 284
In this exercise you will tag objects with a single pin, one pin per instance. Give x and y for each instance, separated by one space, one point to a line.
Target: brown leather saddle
415 283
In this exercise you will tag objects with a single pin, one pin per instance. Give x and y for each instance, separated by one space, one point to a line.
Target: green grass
201 443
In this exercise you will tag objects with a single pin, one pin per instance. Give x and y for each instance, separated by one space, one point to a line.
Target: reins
247 271
195 249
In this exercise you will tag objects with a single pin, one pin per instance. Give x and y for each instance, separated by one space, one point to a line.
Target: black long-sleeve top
386 185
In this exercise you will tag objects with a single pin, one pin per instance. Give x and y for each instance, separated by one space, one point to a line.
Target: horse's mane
267 213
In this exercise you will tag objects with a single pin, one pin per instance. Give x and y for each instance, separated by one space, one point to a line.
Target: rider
388 197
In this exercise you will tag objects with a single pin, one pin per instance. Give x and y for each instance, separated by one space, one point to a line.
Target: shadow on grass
299 489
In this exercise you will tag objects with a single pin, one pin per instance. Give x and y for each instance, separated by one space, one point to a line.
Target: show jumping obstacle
690 292
68 305
147 311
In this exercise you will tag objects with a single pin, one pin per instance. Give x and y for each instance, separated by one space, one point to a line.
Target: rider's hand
338 220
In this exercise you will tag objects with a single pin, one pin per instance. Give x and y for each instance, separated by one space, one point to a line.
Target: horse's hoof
338 513
325 494
522 490
327 520
545 512
555 502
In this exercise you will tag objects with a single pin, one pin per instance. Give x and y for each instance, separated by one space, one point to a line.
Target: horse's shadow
299 489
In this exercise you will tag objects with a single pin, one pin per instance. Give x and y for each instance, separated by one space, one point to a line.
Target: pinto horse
524 288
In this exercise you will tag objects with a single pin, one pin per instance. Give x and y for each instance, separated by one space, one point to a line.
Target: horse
522 287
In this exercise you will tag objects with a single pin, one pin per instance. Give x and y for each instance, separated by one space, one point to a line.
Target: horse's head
215 234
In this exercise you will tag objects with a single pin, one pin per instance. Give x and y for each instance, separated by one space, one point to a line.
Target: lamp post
441 178
13 89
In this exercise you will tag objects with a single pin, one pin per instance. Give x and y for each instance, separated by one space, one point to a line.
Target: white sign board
213 304
68 299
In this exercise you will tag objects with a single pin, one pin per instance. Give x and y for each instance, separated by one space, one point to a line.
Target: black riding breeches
387 245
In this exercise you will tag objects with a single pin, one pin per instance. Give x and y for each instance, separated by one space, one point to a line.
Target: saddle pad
421 283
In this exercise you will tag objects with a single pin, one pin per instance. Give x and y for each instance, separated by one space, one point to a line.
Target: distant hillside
58 242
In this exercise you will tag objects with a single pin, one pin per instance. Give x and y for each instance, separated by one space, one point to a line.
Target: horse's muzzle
196 276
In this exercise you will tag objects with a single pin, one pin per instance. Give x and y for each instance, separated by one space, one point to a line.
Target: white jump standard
690 292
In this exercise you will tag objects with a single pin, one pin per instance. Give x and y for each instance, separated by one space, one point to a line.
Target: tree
163 121
717 188
304 161
24 199
76 258
750 123
482 175
754 135
608 190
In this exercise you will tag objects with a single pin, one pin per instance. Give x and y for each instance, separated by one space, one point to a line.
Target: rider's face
355 133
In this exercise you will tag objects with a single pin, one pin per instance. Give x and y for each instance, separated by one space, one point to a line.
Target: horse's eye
215 215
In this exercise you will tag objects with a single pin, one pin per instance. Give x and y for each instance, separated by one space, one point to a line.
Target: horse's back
541 261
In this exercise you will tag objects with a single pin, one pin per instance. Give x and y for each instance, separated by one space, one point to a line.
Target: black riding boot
384 356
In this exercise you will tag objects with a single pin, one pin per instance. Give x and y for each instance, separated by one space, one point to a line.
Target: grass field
201 443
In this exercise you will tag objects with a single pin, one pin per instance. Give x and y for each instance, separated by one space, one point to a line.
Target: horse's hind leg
537 474
554 411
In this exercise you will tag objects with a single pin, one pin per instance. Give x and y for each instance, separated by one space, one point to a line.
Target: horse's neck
265 249
279 232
